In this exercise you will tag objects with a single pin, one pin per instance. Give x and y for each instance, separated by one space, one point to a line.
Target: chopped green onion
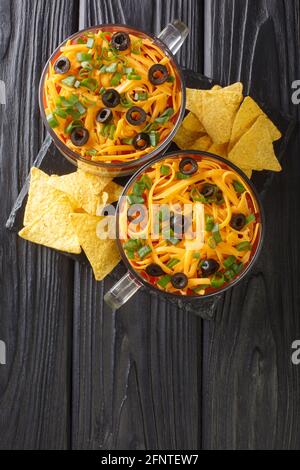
90 43
212 243
172 263
209 223
138 188
91 152
165 170
90 83
112 67
102 90
147 181
154 138
218 280
103 69
229 275
132 245
128 141
72 126
52 121
197 196
174 241
229 261
164 281
60 112
141 96
125 102
164 214
134 76
171 79
80 108
144 251
165 116
115 81
80 41
112 131
128 70
239 187
83 57
237 267
244 246
69 81
250 218
196 255
133 199
136 46
181 176
130 254
216 234
77 84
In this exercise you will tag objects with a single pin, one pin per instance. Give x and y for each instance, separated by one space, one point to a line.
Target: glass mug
132 281
169 41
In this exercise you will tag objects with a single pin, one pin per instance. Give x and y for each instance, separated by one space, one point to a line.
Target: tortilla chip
220 150
246 117
219 108
40 195
192 124
255 148
83 187
102 254
203 143
114 191
247 172
53 227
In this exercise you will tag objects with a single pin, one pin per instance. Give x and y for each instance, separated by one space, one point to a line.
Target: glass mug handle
121 292
174 35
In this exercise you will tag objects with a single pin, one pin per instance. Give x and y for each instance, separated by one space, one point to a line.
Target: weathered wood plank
35 283
251 388
136 372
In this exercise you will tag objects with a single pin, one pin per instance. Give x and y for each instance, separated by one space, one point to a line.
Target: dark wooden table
149 376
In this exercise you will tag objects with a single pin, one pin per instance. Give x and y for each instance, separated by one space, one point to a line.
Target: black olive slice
104 115
141 141
120 41
209 267
208 190
62 65
179 281
238 221
136 116
158 74
188 166
111 98
154 270
80 136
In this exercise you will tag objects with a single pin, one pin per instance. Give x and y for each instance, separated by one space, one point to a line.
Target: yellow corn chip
114 191
53 228
40 195
102 254
203 143
83 187
247 172
192 124
218 150
219 108
245 118
255 148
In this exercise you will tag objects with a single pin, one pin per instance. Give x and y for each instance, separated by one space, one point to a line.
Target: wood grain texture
136 375
251 389
35 283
